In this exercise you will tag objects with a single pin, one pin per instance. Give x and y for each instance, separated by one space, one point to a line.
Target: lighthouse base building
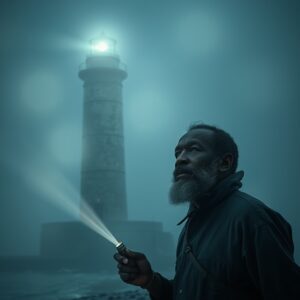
72 245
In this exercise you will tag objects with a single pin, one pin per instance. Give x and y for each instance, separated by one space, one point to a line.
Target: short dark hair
223 142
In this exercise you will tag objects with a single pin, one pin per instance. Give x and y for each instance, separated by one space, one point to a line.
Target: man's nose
182 158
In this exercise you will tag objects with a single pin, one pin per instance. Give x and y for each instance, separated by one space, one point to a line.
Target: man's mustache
182 170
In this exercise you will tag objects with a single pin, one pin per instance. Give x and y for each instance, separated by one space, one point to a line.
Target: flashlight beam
55 187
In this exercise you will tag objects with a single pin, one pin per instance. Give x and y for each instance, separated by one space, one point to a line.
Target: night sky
234 64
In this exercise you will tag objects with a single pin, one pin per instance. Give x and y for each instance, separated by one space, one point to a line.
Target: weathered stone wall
103 166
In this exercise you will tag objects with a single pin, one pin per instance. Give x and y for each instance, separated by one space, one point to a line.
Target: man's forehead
200 135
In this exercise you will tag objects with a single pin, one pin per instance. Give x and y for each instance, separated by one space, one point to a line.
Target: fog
234 64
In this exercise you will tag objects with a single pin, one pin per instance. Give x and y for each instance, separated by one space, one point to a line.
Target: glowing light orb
102 46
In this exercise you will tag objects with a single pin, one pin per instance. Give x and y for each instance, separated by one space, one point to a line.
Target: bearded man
232 246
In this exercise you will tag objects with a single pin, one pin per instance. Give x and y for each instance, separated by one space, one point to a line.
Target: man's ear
226 163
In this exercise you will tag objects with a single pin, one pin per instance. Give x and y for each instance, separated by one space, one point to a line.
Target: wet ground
65 285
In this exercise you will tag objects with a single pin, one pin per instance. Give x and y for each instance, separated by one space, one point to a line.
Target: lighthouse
102 165
70 243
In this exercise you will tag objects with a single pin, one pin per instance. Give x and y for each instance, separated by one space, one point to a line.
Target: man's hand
134 268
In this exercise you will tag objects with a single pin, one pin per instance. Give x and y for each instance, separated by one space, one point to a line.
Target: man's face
195 167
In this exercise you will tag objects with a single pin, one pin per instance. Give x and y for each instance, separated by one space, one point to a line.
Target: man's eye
194 148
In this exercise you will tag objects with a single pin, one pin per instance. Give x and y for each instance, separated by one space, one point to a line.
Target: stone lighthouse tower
102 167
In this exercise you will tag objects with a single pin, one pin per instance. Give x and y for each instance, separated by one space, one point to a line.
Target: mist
232 64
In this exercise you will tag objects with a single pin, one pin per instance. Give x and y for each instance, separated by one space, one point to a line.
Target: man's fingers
120 259
129 256
128 277
125 260
134 255
127 269
133 267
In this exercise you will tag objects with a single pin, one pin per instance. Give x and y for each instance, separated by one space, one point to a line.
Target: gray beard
190 189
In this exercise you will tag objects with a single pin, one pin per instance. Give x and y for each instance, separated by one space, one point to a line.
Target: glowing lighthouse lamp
102 54
103 46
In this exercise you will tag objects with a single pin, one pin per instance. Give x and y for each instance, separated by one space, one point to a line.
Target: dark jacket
235 248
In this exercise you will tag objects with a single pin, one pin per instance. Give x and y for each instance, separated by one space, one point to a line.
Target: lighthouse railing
121 66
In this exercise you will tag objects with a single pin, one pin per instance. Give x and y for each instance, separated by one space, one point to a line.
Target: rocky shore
126 295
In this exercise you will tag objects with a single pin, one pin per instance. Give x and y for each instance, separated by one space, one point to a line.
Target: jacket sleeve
271 264
160 288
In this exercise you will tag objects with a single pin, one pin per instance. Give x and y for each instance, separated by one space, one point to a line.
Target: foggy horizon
233 65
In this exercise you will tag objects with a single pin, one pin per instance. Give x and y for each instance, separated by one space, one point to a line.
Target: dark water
65 285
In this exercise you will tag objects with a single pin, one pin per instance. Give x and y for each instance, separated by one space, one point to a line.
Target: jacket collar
220 191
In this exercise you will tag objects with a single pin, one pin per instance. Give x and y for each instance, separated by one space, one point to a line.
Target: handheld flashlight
121 248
